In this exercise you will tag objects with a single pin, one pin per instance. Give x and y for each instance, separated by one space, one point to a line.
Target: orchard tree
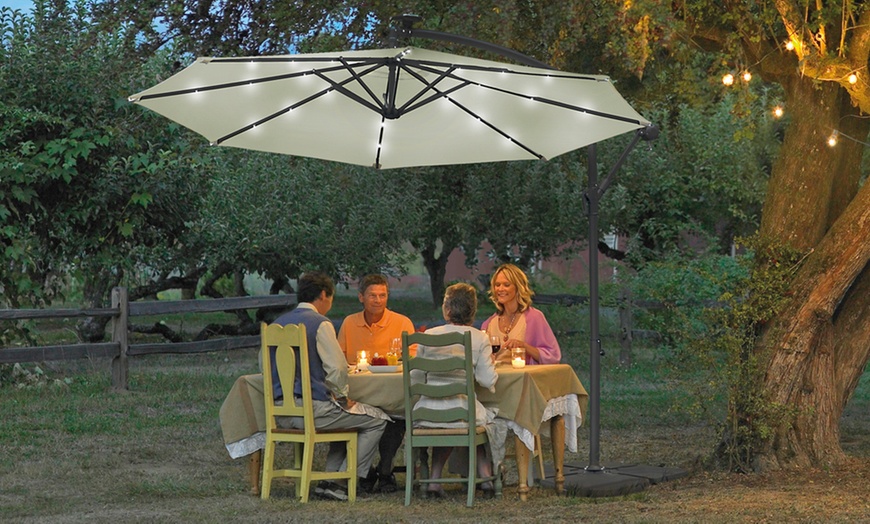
698 187
89 187
527 211
279 216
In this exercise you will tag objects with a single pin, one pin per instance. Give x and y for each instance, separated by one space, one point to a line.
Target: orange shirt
355 335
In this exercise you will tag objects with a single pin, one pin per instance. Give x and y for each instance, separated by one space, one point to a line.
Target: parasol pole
593 197
594 193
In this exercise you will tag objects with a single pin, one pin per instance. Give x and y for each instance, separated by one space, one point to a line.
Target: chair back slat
441 415
434 391
438 365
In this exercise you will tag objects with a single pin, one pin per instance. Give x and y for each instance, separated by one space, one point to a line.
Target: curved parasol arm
406 31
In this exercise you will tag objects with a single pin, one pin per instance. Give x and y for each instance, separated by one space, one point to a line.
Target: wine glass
495 342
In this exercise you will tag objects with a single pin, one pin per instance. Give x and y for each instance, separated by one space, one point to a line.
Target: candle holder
518 357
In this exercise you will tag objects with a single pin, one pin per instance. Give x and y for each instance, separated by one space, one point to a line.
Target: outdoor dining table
526 398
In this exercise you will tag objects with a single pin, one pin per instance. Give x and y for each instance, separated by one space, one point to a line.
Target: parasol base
611 480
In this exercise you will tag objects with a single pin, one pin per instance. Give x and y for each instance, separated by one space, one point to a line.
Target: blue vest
312 320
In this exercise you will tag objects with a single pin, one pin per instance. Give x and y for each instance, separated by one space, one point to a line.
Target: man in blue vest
328 382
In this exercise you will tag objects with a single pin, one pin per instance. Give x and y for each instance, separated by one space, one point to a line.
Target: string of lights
835 136
728 79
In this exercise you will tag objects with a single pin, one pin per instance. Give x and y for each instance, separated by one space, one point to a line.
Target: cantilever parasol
392 108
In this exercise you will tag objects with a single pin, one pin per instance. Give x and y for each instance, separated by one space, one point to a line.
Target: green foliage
752 417
523 223
688 292
702 183
713 347
88 184
19 377
279 216
686 289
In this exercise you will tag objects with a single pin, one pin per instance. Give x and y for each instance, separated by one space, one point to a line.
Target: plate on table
384 369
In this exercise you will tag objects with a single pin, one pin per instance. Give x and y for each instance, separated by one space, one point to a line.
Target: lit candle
518 357
363 364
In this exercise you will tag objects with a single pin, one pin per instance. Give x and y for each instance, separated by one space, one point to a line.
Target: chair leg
297 465
352 469
268 462
423 458
539 451
472 475
410 471
307 464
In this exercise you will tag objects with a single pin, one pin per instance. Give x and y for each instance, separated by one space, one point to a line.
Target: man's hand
344 402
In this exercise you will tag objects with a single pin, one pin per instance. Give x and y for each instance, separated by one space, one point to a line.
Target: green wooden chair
468 437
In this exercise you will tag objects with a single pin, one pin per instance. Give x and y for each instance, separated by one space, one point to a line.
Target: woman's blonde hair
519 279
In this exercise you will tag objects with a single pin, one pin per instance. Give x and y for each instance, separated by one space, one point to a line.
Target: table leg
523 458
254 471
557 439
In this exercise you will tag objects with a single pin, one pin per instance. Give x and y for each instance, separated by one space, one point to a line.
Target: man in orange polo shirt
372 330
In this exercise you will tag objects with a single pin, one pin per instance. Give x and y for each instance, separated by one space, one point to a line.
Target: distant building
572 269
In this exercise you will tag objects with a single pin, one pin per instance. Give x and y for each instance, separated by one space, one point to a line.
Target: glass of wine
495 342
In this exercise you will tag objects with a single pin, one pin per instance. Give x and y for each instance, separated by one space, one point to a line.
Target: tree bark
815 354
436 266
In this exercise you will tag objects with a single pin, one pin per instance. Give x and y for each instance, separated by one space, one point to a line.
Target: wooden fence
120 312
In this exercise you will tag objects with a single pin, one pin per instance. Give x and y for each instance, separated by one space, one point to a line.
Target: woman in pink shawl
516 323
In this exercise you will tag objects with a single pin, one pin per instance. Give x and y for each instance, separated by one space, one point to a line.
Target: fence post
120 331
625 326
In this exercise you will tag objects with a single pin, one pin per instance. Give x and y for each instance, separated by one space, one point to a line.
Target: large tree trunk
817 344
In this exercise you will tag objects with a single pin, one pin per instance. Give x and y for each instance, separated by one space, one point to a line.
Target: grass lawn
83 453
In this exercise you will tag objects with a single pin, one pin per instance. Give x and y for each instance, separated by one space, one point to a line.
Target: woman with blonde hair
516 322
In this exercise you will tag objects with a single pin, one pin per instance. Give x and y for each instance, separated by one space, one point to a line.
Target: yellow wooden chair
289 341
468 437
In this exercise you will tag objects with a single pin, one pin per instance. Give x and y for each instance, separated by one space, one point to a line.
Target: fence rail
119 349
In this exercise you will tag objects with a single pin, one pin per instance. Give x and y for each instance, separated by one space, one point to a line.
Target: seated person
516 323
459 308
372 330
328 383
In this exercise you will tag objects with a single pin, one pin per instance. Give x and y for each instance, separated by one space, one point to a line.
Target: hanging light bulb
747 76
728 79
832 140
789 45
853 79
778 112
